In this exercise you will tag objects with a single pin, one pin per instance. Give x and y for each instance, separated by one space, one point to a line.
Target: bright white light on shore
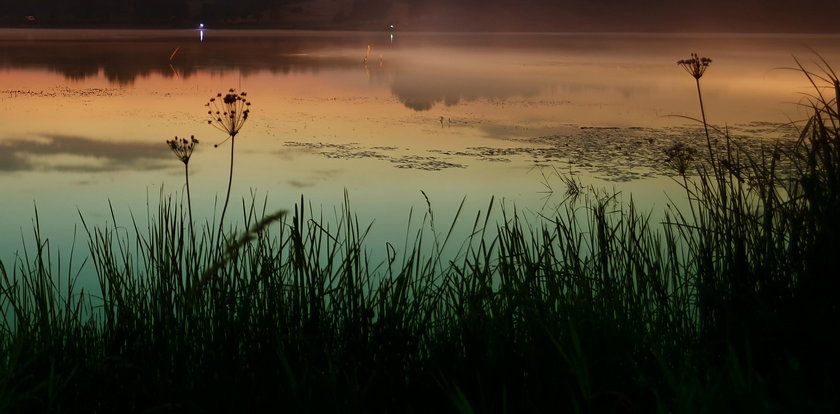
201 25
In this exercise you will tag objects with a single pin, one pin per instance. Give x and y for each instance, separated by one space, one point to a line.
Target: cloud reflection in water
54 152
423 90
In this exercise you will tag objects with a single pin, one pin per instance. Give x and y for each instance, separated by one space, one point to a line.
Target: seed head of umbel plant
182 147
679 157
228 112
695 66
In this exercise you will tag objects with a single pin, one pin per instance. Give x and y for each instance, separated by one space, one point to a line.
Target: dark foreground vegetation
730 305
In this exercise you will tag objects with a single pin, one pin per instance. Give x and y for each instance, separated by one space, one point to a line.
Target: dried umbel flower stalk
182 147
228 112
695 66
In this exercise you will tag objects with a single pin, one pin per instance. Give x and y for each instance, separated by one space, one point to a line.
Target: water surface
85 115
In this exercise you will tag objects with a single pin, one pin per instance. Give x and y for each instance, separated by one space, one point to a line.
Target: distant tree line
542 15
134 12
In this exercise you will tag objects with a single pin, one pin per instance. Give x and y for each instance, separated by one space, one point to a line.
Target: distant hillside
447 15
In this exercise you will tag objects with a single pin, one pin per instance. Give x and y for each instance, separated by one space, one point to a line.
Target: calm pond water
85 114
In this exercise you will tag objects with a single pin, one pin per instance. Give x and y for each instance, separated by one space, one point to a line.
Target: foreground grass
730 305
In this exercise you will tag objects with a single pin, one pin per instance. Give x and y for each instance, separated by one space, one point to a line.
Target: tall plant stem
189 208
230 182
718 172
189 199
705 124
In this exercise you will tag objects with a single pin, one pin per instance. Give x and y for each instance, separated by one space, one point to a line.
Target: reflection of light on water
201 35
392 38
